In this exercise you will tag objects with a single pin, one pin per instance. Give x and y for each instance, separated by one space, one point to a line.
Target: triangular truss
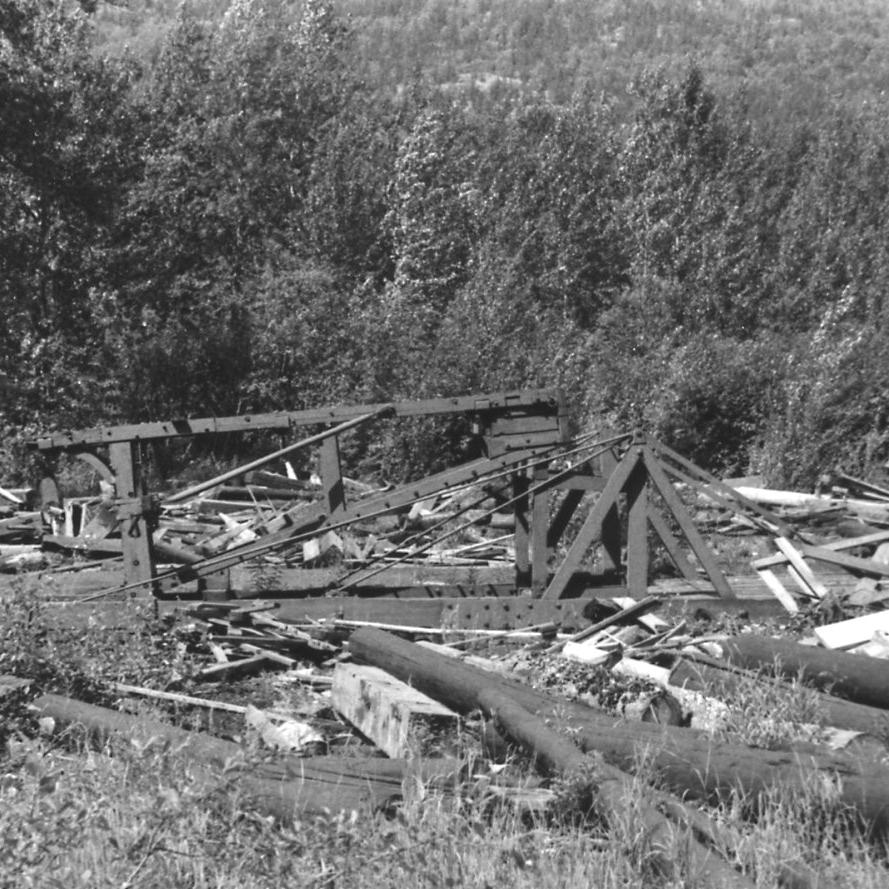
650 467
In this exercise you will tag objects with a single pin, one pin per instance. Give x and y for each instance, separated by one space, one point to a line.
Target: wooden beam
563 516
854 631
770 579
540 550
591 529
135 530
671 544
721 492
699 546
244 582
400 720
796 560
484 612
332 476
522 538
853 563
637 531
548 401
832 546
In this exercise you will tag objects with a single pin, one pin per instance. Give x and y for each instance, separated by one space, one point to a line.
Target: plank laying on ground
796 560
89 544
867 567
396 717
854 676
688 762
612 789
235 669
852 632
625 614
833 546
770 579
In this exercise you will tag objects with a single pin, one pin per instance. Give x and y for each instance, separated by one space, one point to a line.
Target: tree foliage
239 222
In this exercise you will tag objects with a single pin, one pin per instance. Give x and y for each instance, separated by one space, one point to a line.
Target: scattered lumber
856 677
400 720
688 762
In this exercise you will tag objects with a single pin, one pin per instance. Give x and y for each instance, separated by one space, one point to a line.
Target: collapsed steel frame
526 449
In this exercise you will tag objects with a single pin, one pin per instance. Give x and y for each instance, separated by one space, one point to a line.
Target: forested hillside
674 210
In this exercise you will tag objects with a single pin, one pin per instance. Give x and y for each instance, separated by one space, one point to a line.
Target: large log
613 794
854 676
726 683
286 788
688 762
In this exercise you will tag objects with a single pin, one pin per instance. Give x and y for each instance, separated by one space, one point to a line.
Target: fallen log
854 676
726 684
285 788
613 794
688 762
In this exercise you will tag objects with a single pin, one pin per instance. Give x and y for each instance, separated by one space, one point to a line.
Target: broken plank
805 572
833 546
274 656
397 718
650 621
852 632
234 669
176 698
88 544
628 613
853 563
770 579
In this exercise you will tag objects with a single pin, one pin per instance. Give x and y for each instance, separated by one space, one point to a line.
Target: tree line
241 223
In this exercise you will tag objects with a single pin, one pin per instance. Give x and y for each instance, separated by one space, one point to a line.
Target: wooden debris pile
464 529
832 558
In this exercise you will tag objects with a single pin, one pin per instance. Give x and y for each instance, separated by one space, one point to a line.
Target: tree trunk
286 788
726 683
613 794
854 676
690 763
